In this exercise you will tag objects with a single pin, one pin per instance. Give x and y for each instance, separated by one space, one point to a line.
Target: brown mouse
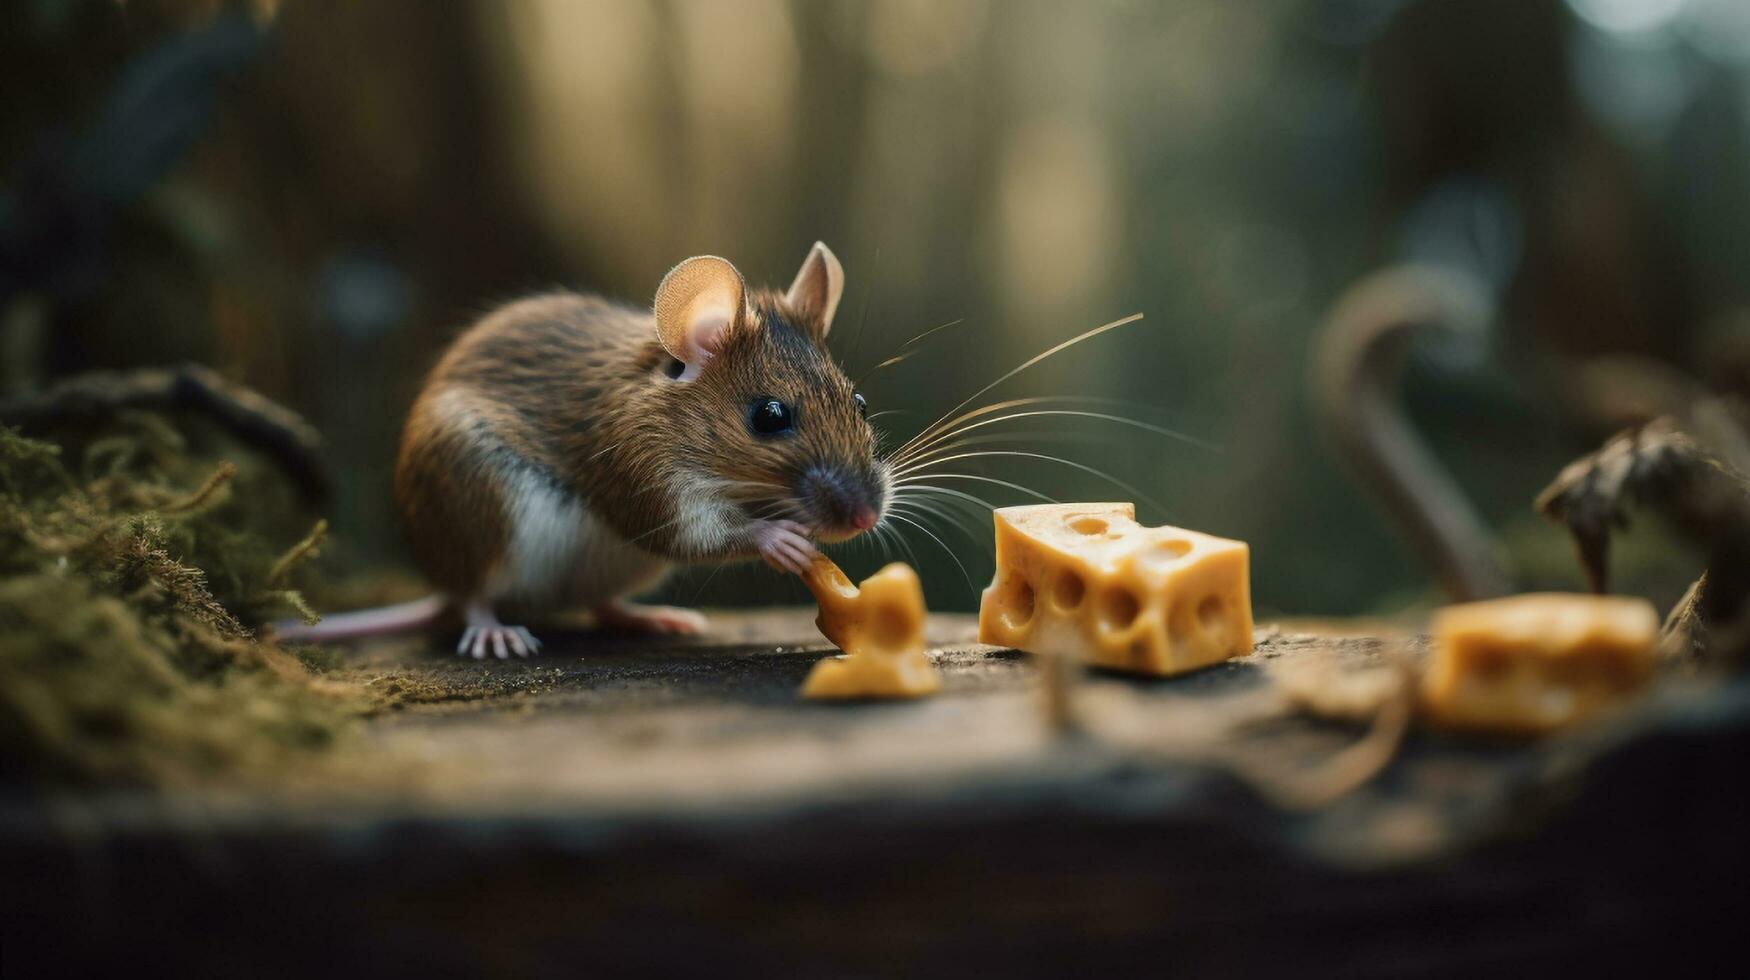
568 451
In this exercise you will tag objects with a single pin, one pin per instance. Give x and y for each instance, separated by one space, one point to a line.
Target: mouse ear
818 286
697 304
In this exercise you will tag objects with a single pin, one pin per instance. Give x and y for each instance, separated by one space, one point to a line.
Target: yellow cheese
1534 663
1087 581
881 629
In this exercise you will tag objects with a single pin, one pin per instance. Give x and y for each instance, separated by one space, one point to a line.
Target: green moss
137 558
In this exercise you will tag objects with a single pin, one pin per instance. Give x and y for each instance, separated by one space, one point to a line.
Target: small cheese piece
1087 581
1531 664
881 629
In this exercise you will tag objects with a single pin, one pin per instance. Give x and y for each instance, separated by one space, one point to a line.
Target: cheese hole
1119 608
1209 612
1617 674
1068 591
1163 554
1018 608
1488 663
1592 665
1556 704
1088 525
1571 670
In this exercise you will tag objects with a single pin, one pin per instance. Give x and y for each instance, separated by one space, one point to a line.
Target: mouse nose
841 500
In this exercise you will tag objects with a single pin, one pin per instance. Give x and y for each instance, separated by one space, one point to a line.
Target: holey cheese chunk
880 627
1535 663
1087 581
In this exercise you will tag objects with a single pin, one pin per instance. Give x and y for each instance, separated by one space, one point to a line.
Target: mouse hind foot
622 615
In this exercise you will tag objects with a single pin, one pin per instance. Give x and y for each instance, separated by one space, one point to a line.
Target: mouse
568 452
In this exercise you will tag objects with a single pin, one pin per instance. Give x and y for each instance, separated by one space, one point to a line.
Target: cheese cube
1088 581
881 629
1535 663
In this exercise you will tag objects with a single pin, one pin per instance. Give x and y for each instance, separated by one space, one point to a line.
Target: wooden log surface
628 804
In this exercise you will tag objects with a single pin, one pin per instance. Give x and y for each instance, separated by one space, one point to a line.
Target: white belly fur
562 556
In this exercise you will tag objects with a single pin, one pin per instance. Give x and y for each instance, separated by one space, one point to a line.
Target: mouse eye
770 417
862 405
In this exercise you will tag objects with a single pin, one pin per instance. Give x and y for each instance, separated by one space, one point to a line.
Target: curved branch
1357 364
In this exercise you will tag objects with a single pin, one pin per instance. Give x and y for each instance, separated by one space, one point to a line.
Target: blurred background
313 196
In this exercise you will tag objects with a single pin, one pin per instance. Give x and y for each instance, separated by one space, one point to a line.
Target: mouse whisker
863 312
765 509
918 442
882 538
896 359
755 491
763 497
701 589
959 424
919 508
660 527
911 492
781 508
761 485
944 546
902 353
913 482
870 540
1016 453
938 328
959 502
900 543
1035 359
1069 413
1024 439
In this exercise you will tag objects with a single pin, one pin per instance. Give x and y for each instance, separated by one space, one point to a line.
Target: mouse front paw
486 636
784 545
498 641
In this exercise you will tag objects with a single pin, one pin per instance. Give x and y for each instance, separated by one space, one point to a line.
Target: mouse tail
364 622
